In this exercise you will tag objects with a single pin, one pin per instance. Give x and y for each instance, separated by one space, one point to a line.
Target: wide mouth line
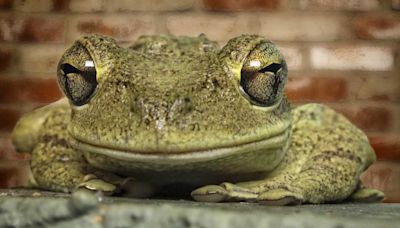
275 141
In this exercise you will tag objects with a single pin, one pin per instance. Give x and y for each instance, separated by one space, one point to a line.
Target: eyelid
274 67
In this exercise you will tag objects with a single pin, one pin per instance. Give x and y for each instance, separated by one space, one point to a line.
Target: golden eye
78 84
263 86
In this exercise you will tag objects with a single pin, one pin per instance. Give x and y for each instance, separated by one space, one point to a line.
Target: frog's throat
279 141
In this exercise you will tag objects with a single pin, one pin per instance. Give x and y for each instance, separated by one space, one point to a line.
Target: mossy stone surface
30 208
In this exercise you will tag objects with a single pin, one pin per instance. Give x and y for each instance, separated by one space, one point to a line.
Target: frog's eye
257 67
263 75
78 84
261 86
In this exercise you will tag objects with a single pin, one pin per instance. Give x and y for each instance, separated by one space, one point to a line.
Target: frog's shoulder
27 130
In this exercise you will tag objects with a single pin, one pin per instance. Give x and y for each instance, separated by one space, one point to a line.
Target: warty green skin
170 110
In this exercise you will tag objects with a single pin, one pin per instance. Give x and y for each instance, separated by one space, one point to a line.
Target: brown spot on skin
62 142
47 138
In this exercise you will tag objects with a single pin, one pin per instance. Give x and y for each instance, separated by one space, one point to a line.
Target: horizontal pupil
271 68
69 69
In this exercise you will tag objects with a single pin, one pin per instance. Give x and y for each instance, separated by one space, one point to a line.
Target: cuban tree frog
180 110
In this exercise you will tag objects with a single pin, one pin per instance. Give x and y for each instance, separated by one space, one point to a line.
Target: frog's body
173 110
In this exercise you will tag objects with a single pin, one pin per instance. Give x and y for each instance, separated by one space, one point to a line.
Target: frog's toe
92 183
210 193
224 192
367 195
280 197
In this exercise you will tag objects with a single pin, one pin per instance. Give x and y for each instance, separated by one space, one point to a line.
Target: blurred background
344 53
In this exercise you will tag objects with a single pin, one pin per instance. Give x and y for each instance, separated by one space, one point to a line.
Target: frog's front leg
323 164
56 164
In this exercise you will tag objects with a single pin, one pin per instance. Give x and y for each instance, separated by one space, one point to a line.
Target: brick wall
345 53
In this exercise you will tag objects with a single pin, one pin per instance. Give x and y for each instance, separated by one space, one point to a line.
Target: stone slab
32 208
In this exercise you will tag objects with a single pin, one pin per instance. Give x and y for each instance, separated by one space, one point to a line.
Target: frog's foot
280 197
232 192
110 184
92 183
317 183
367 195
223 192
211 193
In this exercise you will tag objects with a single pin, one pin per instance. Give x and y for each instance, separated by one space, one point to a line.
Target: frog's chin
279 141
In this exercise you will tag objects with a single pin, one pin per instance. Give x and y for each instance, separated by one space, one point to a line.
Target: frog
182 111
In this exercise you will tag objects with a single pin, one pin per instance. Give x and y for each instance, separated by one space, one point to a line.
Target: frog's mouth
271 144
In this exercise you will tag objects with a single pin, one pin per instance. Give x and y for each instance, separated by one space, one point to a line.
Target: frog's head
176 95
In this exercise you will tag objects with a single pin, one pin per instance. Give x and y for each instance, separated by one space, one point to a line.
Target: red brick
61 5
300 26
122 28
32 29
352 57
28 90
88 5
9 176
148 5
7 151
377 27
396 4
369 117
6 4
6 56
39 59
218 27
326 89
8 118
236 5
387 147
14 167
14 174
99 26
293 56
359 5
374 87
88 27
385 176
35 6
